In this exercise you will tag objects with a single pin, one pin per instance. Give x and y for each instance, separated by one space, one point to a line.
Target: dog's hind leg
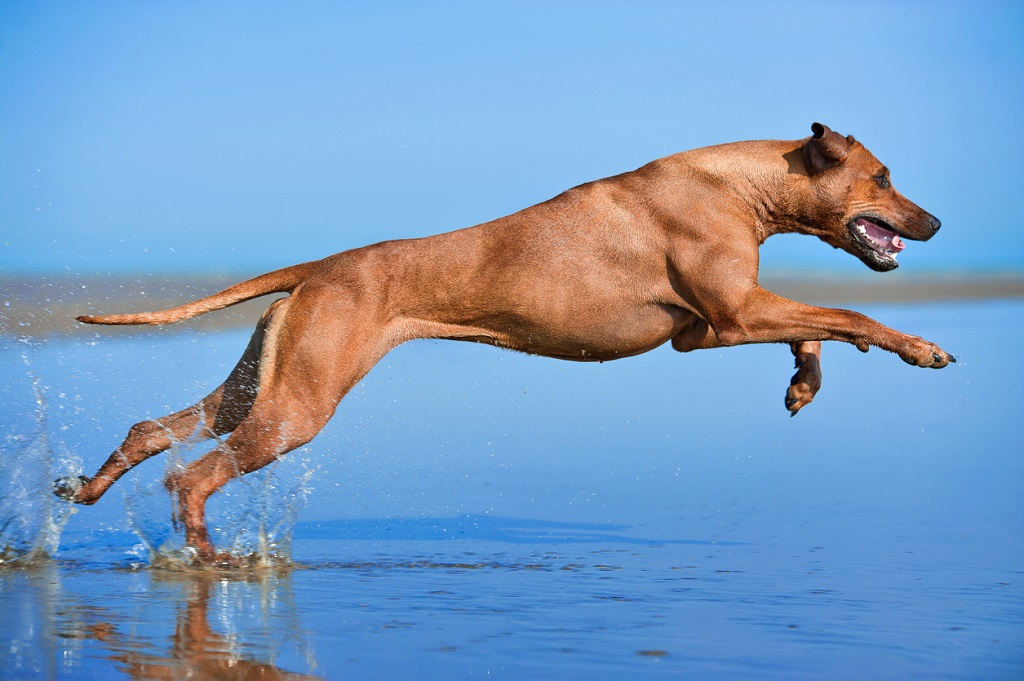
267 434
310 361
216 414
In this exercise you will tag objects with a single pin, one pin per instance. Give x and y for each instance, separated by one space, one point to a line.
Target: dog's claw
792 402
67 488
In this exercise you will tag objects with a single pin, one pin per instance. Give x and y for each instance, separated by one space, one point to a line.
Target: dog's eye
883 181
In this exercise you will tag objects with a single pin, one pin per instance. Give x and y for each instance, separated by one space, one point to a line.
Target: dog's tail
278 281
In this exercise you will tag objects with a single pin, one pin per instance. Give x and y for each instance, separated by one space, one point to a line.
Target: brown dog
609 269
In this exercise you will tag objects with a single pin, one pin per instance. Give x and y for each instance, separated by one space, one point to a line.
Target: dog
608 269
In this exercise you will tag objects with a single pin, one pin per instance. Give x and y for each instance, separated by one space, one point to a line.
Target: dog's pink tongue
881 234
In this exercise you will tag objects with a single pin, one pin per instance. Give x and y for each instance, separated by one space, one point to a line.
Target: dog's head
853 205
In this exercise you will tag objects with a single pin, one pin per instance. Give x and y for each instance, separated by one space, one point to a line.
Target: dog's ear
825 149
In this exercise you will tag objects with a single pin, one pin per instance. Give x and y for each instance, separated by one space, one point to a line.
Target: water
30 523
474 513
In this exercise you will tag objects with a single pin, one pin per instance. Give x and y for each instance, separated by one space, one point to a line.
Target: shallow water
475 513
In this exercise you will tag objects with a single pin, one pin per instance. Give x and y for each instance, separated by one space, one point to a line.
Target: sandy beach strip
42 306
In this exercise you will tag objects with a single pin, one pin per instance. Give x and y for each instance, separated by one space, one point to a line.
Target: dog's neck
768 179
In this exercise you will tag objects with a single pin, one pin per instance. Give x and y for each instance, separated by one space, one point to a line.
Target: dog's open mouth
881 241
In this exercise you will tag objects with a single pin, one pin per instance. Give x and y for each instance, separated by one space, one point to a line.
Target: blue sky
236 137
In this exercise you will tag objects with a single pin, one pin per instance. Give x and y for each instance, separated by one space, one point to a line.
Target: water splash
262 525
252 518
31 518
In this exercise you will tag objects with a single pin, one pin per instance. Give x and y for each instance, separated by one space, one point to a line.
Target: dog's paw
922 353
806 382
67 488
798 396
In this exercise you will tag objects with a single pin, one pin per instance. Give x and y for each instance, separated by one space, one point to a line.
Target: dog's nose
934 222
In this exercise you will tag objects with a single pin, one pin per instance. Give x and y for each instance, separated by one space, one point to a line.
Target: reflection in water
195 647
29 598
188 624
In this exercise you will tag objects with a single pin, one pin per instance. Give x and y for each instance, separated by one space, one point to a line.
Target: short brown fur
609 269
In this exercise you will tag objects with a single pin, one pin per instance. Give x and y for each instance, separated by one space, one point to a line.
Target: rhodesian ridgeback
608 269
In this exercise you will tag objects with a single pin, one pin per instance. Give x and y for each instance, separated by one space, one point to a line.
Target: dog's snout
935 223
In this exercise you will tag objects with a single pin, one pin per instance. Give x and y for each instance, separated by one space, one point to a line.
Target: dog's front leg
768 318
806 381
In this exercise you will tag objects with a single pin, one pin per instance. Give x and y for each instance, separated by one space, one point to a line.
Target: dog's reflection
196 650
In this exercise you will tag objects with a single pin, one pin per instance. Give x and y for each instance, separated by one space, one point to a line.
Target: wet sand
43 306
